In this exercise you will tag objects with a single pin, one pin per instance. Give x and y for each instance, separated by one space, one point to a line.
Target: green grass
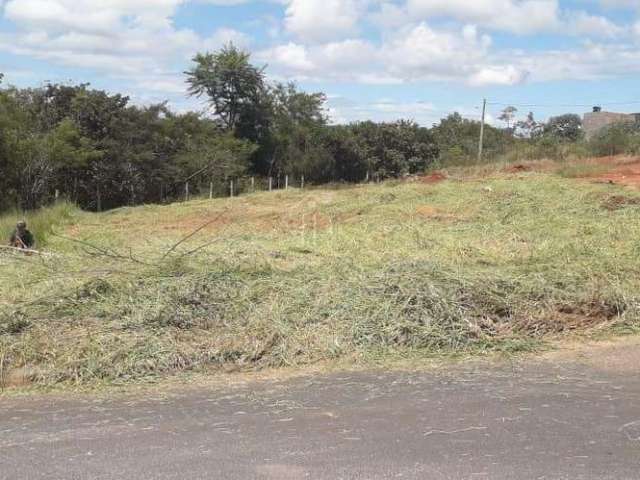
42 222
583 170
292 278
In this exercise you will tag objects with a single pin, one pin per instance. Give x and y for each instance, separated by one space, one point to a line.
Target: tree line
102 151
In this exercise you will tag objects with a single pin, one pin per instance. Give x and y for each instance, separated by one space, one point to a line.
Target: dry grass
291 278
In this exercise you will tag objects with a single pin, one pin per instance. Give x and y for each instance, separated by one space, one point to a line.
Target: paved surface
561 418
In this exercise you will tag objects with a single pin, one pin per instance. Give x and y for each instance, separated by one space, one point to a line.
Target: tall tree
567 127
507 115
231 84
297 118
528 128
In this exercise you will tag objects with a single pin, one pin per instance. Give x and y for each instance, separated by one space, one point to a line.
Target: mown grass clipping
291 278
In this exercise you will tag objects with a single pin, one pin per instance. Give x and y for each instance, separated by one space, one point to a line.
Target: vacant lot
498 261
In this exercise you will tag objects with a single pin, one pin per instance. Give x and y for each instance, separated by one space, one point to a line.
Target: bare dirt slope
624 173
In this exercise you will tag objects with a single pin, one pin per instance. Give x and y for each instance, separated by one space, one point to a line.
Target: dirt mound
519 168
433 178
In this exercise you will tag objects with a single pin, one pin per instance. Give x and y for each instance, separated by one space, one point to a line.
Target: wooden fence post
302 182
286 182
186 191
231 187
210 190
270 183
253 184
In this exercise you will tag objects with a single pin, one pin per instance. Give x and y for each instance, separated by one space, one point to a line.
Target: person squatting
22 238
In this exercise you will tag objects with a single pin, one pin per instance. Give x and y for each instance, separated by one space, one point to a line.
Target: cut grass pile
290 278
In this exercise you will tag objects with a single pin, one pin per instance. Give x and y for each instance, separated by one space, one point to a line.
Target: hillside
476 264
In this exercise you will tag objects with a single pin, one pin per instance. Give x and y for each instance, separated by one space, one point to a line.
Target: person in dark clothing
22 238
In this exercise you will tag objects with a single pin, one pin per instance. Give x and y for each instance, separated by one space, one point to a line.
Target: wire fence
235 186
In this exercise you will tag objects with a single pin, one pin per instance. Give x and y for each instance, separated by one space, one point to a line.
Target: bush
617 139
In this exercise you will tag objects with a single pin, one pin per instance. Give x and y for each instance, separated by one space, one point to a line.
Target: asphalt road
558 418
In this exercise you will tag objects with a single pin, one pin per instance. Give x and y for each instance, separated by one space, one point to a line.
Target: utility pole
481 144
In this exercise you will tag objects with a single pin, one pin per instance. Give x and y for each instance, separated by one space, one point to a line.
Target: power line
563 105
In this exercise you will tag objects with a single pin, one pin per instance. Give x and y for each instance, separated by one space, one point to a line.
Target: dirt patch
519 168
434 213
619 170
620 356
627 177
572 318
618 202
436 177
18 377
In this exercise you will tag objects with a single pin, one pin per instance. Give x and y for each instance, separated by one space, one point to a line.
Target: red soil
433 178
625 174
620 170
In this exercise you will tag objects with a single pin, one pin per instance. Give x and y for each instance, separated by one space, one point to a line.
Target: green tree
396 148
297 119
616 139
231 84
566 128
507 115
457 139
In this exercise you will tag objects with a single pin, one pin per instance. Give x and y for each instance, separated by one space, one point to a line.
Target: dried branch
192 234
21 250
107 253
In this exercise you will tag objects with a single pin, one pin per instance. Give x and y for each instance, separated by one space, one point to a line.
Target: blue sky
375 59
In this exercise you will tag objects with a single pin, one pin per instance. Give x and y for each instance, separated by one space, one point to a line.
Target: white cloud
521 17
516 16
319 40
290 57
224 36
90 15
390 15
343 110
583 23
592 61
134 40
499 75
411 54
422 53
321 20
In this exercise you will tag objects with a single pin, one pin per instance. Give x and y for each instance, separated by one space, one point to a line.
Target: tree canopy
102 151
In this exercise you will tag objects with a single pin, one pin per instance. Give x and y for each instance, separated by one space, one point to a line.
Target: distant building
597 120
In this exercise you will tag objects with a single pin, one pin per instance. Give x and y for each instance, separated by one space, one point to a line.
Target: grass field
487 263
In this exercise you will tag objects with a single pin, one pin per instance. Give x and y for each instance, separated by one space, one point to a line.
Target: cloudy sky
379 59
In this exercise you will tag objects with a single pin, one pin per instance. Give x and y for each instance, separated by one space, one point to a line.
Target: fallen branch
192 234
107 253
21 250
